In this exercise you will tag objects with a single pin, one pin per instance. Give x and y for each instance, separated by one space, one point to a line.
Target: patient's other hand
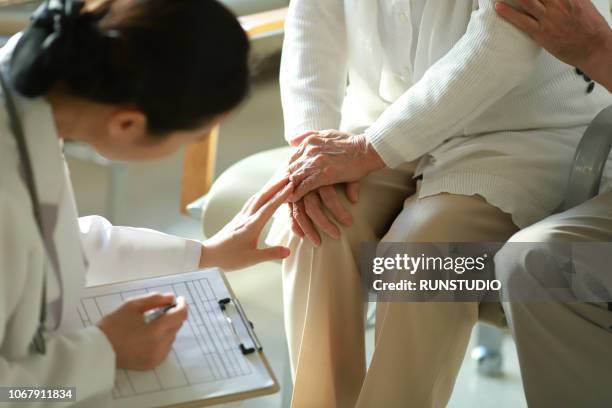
309 212
235 246
571 30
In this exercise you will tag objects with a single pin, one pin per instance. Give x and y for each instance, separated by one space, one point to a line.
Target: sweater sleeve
70 356
125 253
313 66
490 59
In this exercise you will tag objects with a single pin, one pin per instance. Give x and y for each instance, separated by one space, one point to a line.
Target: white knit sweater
486 109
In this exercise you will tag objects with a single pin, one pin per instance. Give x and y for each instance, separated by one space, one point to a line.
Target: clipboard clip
252 343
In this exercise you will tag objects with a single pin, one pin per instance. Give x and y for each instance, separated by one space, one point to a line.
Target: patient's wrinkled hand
309 212
330 157
235 246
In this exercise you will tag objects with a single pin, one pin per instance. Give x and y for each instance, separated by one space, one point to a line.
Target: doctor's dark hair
178 61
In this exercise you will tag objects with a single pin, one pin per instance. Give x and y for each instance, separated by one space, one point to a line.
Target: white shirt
399 25
485 109
69 249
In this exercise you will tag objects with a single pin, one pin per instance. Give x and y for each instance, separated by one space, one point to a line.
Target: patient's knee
528 270
536 233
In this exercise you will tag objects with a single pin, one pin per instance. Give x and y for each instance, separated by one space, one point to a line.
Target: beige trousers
419 346
564 349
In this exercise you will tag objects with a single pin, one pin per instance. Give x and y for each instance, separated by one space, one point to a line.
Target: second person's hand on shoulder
574 31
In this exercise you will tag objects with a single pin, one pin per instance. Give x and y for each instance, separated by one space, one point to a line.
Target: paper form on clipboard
216 357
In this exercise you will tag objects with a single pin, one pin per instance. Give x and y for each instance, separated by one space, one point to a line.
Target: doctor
134 80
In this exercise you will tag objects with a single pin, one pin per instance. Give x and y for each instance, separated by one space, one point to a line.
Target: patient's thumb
296 141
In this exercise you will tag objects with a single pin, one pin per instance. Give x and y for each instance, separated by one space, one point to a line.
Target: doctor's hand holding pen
142 345
138 344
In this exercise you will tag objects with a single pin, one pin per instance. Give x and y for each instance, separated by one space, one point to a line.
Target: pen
154 314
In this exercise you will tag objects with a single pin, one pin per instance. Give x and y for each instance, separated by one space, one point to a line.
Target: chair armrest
589 161
198 169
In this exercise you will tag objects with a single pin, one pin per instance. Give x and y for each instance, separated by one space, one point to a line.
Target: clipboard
217 357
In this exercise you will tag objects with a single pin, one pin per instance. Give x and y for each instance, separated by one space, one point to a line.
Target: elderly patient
414 121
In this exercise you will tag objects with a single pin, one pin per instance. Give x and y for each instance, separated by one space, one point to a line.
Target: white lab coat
83 359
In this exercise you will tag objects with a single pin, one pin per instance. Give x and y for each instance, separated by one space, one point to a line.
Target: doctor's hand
235 246
330 157
310 212
139 345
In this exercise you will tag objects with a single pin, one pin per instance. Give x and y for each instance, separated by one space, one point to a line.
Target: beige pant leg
322 296
564 349
420 345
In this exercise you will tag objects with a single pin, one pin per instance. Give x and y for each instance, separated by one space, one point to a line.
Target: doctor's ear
127 125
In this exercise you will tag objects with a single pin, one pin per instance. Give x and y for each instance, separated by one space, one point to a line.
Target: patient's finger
520 20
313 207
302 152
295 227
291 163
330 198
305 185
299 214
299 139
310 170
352 191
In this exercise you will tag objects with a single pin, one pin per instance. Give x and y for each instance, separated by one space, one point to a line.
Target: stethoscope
16 126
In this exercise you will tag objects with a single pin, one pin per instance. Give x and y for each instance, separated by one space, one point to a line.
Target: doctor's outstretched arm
131 253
